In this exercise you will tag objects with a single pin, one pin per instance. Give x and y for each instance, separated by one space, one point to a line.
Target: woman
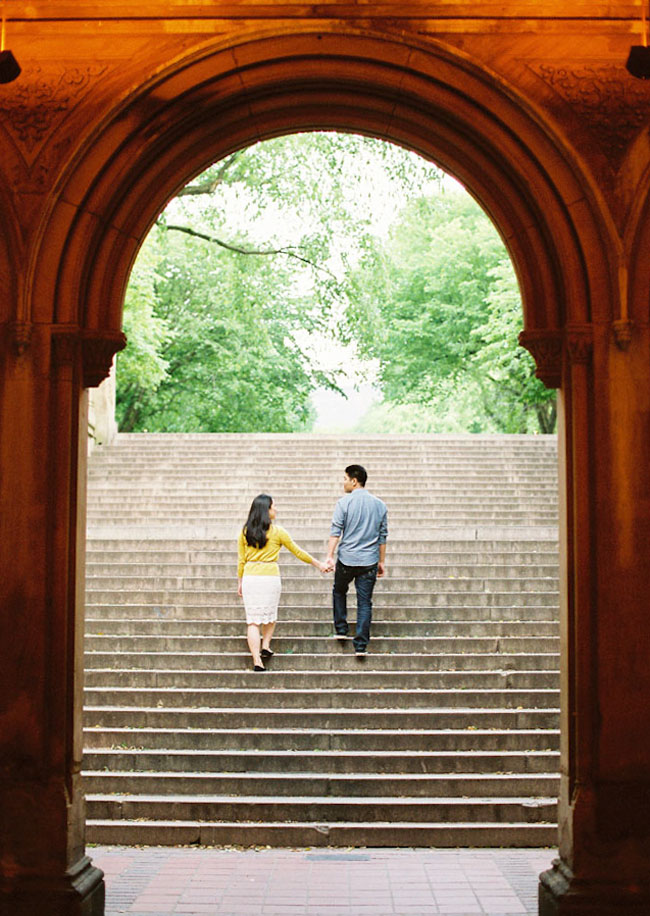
258 545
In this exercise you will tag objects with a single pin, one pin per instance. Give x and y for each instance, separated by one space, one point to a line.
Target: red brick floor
158 881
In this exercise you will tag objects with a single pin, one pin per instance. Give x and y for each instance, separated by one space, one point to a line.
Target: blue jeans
364 582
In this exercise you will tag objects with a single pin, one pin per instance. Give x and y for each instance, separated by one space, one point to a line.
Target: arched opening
437 105
434 102
305 658
321 243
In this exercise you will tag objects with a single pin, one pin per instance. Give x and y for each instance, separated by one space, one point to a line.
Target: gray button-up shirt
361 522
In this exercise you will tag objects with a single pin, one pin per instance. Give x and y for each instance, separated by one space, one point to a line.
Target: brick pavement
157 881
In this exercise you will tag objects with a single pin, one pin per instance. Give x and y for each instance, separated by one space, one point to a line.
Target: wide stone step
316 784
100 760
327 680
257 717
322 600
510 737
385 466
434 483
386 469
308 834
399 568
370 809
315 645
292 585
479 516
309 613
320 698
380 628
463 501
313 457
341 661
190 550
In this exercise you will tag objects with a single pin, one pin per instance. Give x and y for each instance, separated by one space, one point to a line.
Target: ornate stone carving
98 350
65 346
95 348
579 343
612 104
622 330
20 335
545 347
32 108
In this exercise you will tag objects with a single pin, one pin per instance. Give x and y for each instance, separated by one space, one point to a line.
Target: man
360 528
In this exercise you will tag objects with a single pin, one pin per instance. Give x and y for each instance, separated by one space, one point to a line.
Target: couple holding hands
359 528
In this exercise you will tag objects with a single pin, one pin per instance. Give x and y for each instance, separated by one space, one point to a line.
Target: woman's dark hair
258 521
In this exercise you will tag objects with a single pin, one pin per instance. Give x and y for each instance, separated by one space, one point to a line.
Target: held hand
329 564
323 567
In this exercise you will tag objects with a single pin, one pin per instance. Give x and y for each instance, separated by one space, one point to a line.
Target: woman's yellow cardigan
262 561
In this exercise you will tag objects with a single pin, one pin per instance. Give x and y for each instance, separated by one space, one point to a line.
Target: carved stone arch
13 313
431 100
10 248
638 281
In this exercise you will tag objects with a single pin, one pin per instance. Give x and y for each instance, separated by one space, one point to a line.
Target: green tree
230 360
437 305
141 366
246 270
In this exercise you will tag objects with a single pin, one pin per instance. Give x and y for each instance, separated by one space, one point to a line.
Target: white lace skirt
261 598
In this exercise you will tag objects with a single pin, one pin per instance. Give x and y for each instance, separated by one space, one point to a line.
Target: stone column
43 422
604 815
102 426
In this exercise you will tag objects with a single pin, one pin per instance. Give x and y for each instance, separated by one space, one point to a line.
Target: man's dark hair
356 472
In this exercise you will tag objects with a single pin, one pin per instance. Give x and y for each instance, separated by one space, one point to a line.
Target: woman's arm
241 558
287 541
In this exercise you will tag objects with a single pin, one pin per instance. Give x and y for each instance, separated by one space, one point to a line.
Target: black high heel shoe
267 653
259 668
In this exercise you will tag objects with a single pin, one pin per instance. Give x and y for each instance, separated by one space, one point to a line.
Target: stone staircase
446 735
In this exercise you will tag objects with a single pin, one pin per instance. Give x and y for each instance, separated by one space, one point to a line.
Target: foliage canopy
283 248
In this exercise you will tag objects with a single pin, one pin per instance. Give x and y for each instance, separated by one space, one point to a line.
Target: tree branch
288 252
208 187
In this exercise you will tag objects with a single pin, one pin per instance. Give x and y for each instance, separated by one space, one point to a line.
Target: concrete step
320 698
315 645
99 760
296 740
203 503
258 717
342 660
309 520
310 834
327 680
316 614
444 552
223 571
314 584
322 601
320 785
312 808
321 628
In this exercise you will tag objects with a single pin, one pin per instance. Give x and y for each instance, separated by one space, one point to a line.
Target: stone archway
68 328
437 104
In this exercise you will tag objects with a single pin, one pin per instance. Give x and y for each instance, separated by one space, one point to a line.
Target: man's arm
331 547
381 566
